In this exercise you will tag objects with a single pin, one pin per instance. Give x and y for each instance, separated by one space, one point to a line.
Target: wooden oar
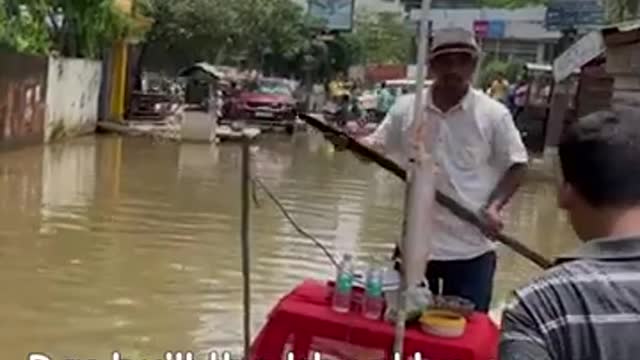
444 200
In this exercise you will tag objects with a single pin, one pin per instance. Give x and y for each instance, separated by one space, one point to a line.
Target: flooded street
126 244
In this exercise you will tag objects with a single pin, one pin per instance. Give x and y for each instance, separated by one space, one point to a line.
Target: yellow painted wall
118 80
119 68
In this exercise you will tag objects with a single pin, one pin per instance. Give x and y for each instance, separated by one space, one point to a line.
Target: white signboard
580 53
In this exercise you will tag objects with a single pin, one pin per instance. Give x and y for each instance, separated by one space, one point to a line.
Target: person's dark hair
600 157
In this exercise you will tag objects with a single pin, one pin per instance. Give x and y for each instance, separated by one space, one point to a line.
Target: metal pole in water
245 180
398 345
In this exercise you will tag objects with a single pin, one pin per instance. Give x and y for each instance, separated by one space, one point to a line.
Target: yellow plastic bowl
443 323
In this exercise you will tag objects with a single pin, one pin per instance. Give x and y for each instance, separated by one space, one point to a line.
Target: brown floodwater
129 244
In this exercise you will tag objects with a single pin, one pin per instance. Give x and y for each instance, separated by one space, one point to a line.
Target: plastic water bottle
373 298
344 282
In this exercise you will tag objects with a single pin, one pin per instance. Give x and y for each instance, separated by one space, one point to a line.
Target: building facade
509 35
515 34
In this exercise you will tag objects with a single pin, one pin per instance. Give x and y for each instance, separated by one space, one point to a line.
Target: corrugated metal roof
580 53
623 26
621 34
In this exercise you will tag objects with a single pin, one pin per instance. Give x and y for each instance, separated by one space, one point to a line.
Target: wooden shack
202 79
200 118
622 43
594 88
579 95
609 63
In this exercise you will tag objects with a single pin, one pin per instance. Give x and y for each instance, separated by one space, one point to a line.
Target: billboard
336 15
565 14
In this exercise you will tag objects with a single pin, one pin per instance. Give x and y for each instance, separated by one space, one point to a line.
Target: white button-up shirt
477 143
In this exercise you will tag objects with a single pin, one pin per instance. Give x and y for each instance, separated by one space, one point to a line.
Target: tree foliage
239 31
274 35
21 31
74 28
380 38
512 71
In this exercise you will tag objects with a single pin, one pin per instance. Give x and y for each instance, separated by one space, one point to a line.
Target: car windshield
272 87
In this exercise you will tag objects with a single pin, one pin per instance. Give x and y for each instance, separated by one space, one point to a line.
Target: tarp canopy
203 67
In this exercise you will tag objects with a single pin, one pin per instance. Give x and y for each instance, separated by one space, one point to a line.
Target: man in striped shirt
588 305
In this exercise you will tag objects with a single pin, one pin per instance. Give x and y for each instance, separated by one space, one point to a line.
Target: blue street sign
496 29
564 14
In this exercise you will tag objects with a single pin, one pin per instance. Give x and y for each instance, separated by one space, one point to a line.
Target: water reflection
127 244
197 160
68 180
69 174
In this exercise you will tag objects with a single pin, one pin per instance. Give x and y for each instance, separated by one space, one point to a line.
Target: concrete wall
23 81
73 93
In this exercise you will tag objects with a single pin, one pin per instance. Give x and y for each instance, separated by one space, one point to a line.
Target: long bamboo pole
446 201
410 184
246 291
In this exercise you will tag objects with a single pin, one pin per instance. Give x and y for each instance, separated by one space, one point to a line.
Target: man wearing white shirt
480 158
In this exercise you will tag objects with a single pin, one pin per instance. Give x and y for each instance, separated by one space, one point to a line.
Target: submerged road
110 243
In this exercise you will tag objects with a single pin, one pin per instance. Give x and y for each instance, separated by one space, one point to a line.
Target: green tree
273 35
21 31
260 32
277 25
512 70
380 38
86 27
74 28
176 38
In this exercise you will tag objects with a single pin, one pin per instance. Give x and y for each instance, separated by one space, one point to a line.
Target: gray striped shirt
586 307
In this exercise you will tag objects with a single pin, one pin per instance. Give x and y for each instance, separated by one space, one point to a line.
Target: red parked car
268 102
